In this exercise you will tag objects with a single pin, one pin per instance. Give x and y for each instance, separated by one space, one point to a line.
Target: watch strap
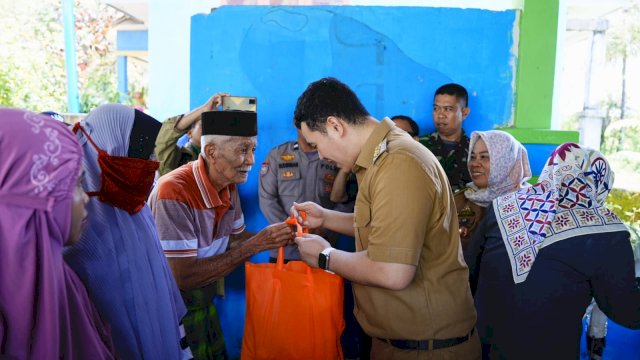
325 254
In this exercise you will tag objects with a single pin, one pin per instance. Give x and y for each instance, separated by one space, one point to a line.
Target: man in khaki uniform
409 278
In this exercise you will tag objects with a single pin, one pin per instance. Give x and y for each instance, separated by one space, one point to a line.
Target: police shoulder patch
264 169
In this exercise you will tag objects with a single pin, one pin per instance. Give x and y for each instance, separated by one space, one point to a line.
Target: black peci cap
232 123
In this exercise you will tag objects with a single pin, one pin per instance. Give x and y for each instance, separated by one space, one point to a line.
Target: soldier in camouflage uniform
449 143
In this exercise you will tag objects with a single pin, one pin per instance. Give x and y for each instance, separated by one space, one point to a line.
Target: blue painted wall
393 57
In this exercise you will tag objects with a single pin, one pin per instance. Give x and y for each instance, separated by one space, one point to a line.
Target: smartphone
242 103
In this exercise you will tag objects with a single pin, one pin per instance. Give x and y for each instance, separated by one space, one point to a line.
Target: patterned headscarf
44 309
119 257
509 166
567 201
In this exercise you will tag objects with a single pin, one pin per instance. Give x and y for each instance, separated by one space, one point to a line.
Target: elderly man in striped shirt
201 225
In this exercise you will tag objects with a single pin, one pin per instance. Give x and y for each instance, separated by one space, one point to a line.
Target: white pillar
592 116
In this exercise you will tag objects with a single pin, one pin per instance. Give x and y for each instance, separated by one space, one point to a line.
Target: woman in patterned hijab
498 165
545 251
44 309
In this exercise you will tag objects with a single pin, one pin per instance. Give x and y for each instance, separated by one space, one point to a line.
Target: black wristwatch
323 259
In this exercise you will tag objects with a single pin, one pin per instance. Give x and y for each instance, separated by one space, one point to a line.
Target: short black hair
454 90
415 129
328 97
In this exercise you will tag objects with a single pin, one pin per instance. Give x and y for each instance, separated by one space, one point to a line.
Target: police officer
294 172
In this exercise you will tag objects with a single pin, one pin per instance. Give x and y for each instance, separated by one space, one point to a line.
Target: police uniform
289 174
405 214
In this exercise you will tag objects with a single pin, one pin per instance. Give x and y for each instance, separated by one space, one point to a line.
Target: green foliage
624 40
32 65
622 135
99 89
7 84
625 161
626 205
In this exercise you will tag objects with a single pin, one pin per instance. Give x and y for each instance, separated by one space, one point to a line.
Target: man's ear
210 151
465 112
336 125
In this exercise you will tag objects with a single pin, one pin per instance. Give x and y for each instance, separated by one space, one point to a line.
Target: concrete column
592 116
590 128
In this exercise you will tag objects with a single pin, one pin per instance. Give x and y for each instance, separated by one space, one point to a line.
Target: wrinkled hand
274 236
214 102
310 246
315 214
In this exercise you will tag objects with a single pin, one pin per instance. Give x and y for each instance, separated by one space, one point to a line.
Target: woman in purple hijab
44 309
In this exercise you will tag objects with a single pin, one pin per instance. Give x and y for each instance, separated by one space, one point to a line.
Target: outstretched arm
194 115
192 272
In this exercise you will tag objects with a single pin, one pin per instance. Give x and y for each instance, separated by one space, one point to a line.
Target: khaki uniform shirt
405 214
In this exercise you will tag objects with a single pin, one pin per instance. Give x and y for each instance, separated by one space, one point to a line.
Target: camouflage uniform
453 160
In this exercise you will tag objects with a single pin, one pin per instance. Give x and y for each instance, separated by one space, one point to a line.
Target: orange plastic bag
293 312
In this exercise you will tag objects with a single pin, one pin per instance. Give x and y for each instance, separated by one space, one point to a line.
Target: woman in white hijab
498 165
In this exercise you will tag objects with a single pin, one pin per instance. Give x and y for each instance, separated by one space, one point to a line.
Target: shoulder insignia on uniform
380 149
288 174
264 169
287 157
329 177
